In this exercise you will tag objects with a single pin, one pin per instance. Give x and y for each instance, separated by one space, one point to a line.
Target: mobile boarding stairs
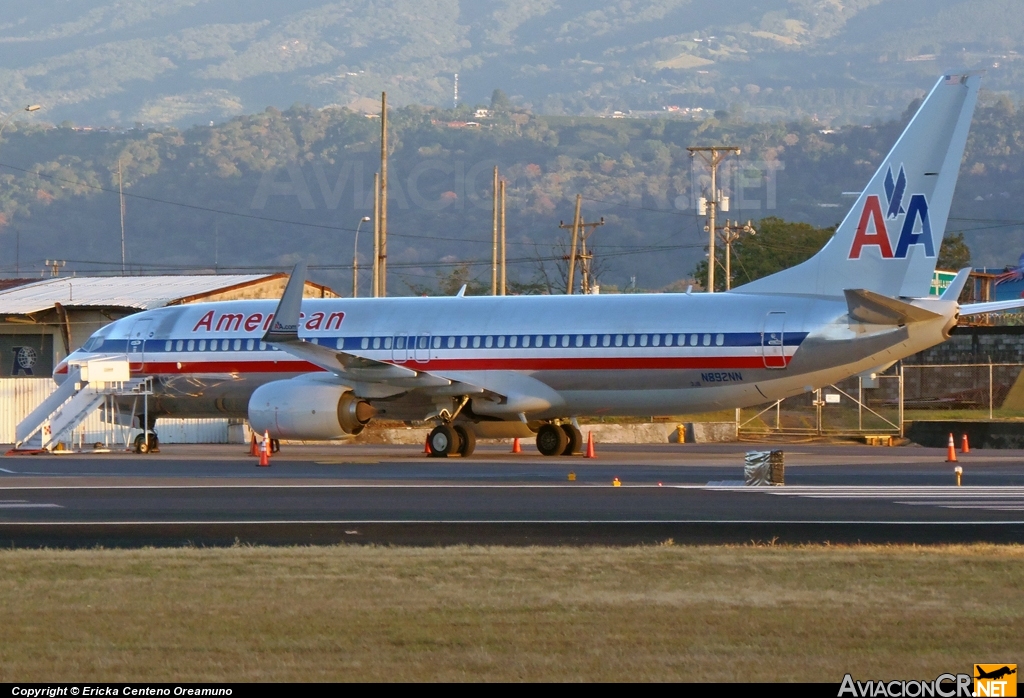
89 385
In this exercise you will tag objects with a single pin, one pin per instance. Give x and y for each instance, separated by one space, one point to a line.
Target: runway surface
214 495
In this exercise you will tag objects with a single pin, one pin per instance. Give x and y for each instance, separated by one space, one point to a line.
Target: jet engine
292 409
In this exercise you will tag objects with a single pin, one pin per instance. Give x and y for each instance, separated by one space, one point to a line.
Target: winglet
952 291
286 318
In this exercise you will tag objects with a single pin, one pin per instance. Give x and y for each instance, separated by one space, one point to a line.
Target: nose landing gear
449 439
147 443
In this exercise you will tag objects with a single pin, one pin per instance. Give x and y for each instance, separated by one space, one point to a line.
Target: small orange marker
264 450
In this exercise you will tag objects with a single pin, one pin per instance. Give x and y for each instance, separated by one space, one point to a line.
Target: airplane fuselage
624 354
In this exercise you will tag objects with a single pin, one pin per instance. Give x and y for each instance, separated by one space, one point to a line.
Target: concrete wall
970 345
935 434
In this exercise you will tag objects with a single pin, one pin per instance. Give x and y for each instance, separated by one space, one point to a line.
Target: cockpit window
93 344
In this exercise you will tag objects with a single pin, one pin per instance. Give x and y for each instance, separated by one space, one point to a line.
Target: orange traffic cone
590 445
426 446
964 446
264 453
951 451
254 448
516 448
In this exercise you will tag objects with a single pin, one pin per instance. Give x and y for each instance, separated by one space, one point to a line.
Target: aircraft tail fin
889 241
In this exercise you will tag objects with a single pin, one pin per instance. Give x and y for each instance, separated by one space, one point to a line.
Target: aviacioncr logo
873 230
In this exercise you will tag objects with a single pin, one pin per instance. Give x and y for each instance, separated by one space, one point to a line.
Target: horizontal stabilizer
875 309
991 307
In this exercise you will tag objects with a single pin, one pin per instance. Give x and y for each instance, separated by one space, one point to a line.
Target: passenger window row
215 345
422 342
529 341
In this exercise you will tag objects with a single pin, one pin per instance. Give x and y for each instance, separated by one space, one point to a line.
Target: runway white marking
357 486
364 522
29 505
5 470
950 497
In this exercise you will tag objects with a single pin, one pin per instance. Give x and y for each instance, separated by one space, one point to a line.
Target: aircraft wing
357 370
991 307
957 285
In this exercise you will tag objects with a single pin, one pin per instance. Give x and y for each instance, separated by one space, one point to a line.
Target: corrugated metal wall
19 396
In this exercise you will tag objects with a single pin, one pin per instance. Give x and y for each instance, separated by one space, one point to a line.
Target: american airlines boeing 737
516 365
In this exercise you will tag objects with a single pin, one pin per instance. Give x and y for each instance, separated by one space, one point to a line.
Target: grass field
488 613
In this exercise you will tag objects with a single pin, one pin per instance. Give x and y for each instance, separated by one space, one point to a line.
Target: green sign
940 282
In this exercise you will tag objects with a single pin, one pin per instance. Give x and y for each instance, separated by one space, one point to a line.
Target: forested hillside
261 191
182 62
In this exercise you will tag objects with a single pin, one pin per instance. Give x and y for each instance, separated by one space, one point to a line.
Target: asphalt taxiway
215 495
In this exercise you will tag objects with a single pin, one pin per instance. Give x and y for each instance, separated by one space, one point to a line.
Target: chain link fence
883 403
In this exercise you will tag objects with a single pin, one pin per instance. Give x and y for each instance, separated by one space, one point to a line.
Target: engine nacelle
302 410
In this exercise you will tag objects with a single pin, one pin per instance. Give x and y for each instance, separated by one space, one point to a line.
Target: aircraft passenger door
773 347
422 348
400 349
140 332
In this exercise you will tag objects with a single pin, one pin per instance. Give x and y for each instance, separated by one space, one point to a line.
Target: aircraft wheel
551 440
444 441
575 439
467 441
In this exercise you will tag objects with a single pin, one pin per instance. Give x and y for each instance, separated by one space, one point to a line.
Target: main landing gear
559 439
451 439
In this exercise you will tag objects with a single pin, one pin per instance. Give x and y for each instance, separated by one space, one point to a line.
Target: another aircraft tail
889 241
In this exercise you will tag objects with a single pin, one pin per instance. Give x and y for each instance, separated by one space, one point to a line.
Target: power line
405 265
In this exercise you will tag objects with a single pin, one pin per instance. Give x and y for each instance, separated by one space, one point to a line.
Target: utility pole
120 192
579 242
55 266
376 234
586 257
494 235
501 189
730 234
575 227
355 257
713 156
383 264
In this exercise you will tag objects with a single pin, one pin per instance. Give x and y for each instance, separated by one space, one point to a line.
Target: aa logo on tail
873 230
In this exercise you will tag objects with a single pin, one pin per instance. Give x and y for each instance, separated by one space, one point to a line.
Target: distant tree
500 101
449 283
911 109
954 253
776 245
